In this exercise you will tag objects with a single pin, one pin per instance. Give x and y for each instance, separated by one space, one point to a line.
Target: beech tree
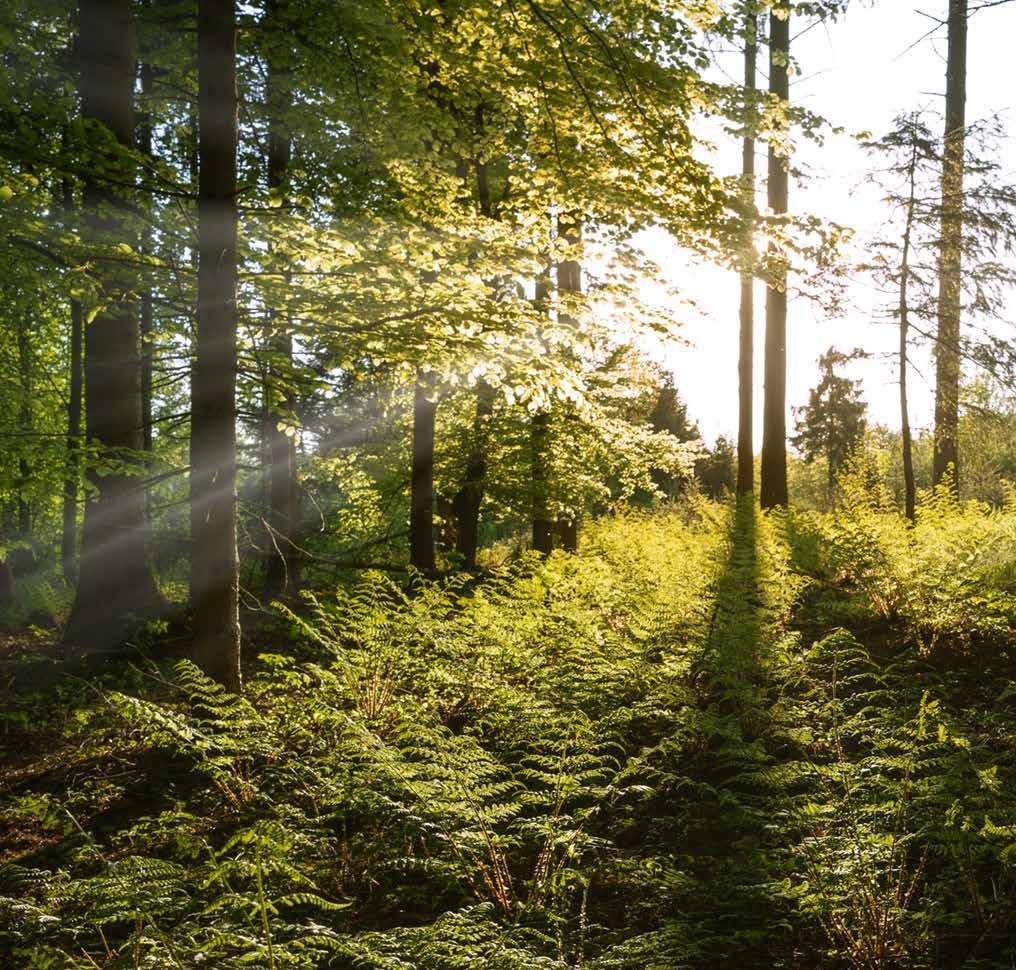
115 580
746 339
773 491
214 566
282 568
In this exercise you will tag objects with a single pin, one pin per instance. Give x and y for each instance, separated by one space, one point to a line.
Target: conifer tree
832 422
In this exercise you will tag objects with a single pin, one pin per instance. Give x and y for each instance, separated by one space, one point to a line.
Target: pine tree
832 423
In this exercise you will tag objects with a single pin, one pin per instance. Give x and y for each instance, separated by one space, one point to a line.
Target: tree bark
25 426
745 366
421 504
947 349
282 568
115 575
146 320
69 524
470 497
469 500
774 416
569 281
69 533
214 566
543 528
568 529
909 488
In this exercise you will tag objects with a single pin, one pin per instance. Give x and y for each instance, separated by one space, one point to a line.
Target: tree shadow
732 666
736 863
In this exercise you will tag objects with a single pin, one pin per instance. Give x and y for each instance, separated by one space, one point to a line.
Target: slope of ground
713 737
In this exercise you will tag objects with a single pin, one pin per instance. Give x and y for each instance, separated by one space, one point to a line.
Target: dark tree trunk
421 503
745 366
25 426
568 529
8 585
947 349
282 570
569 281
69 535
909 488
192 169
115 575
469 500
69 530
543 528
214 568
774 415
470 497
146 320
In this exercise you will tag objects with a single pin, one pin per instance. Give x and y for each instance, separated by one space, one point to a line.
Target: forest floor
712 737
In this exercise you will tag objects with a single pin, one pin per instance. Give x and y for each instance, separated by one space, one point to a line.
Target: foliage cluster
713 736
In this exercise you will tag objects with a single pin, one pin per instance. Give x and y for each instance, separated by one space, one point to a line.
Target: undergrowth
713 737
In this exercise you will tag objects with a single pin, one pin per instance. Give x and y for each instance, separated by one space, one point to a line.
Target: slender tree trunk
115 575
745 366
774 416
421 504
470 497
569 532
947 350
569 282
195 505
543 528
145 145
283 563
25 426
69 529
214 566
469 500
909 488
69 536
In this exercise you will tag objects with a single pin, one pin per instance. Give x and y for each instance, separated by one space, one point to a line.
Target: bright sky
858 73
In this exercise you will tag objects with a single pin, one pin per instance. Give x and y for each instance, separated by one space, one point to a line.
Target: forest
394 575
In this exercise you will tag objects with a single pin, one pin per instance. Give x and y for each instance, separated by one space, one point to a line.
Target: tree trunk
469 500
115 575
947 349
568 529
909 488
69 529
192 170
569 281
470 497
24 426
774 416
543 528
421 504
283 563
214 566
69 535
145 145
745 366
